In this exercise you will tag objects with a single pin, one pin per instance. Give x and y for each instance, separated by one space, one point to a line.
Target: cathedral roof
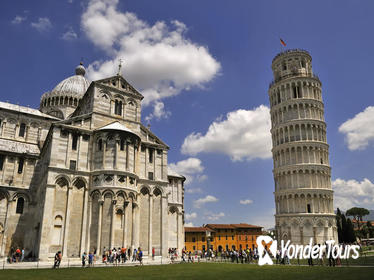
74 86
172 173
24 110
116 126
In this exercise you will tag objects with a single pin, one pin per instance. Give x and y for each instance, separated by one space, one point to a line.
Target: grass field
195 271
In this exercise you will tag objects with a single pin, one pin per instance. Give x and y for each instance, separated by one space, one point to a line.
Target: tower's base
300 228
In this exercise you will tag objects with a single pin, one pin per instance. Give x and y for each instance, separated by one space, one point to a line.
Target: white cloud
193 190
359 131
42 25
215 217
201 201
244 134
18 19
190 224
246 201
190 168
159 112
159 59
69 35
352 193
191 216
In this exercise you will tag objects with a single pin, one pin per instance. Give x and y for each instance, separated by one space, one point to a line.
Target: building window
118 108
150 155
73 165
75 142
232 237
193 248
150 175
2 157
20 165
193 240
159 152
226 237
100 145
20 204
309 209
122 145
22 129
142 148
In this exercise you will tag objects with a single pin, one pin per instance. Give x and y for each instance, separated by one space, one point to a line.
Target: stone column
115 154
42 248
3 241
67 222
180 235
124 225
98 251
88 232
133 218
104 152
164 226
137 225
150 224
67 151
84 224
112 223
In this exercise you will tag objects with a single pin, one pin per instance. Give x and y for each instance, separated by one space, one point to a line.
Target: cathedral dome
74 86
66 94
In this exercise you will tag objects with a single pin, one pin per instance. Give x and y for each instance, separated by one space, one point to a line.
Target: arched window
118 107
22 129
100 145
122 145
20 204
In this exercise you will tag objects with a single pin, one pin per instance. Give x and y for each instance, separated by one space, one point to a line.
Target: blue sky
204 67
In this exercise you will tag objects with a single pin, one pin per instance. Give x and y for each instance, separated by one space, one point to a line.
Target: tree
350 232
344 229
357 213
339 225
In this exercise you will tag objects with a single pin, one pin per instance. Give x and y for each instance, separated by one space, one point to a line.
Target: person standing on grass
23 254
90 259
153 253
140 256
134 255
84 259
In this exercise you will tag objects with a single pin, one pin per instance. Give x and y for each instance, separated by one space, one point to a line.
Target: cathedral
83 173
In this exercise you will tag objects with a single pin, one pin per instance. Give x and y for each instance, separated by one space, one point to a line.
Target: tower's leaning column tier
303 193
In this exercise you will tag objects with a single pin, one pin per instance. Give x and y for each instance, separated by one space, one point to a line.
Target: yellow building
221 237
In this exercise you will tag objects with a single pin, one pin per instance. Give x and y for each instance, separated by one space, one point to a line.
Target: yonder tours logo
303 251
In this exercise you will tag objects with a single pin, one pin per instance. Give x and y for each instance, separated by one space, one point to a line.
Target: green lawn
195 271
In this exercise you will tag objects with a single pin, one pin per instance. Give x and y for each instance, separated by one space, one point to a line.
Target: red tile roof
232 226
196 229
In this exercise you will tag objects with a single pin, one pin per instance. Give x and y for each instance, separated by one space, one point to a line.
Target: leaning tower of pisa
303 193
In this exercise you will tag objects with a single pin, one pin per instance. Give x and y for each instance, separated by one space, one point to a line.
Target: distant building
221 237
83 174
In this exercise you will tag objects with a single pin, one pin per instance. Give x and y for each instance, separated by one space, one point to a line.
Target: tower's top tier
295 62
